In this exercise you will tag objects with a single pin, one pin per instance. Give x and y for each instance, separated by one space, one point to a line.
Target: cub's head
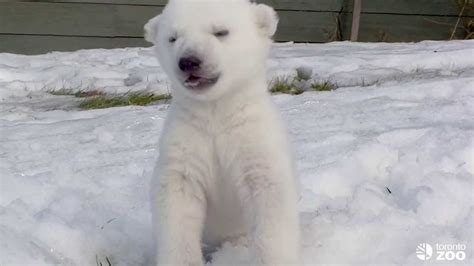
210 47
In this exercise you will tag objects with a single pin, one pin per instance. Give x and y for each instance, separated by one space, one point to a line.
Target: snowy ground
385 162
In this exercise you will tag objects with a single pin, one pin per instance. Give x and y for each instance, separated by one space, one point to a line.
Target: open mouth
195 82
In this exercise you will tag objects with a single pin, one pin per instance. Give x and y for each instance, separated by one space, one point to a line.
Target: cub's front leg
271 194
178 216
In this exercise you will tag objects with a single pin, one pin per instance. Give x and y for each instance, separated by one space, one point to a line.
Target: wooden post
356 20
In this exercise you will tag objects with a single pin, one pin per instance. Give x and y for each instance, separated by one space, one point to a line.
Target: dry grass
76 93
141 99
295 86
95 99
325 86
285 85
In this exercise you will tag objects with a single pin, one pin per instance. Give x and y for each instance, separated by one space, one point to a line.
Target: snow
385 162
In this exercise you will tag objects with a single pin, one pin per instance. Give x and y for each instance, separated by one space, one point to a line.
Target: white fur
225 169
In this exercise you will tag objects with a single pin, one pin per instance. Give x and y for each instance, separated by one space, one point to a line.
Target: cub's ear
151 29
267 19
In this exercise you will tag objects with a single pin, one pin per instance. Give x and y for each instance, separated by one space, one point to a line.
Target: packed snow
385 161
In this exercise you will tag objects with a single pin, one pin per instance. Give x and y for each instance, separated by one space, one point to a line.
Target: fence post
356 20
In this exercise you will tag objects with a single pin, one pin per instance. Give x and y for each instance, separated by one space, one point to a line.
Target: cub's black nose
189 64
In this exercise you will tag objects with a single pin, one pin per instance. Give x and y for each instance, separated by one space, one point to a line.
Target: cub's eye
221 33
172 39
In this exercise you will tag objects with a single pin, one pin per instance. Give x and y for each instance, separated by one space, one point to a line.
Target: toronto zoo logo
424 251
443 252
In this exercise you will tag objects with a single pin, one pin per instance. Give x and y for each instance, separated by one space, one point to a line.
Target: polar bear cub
224 169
